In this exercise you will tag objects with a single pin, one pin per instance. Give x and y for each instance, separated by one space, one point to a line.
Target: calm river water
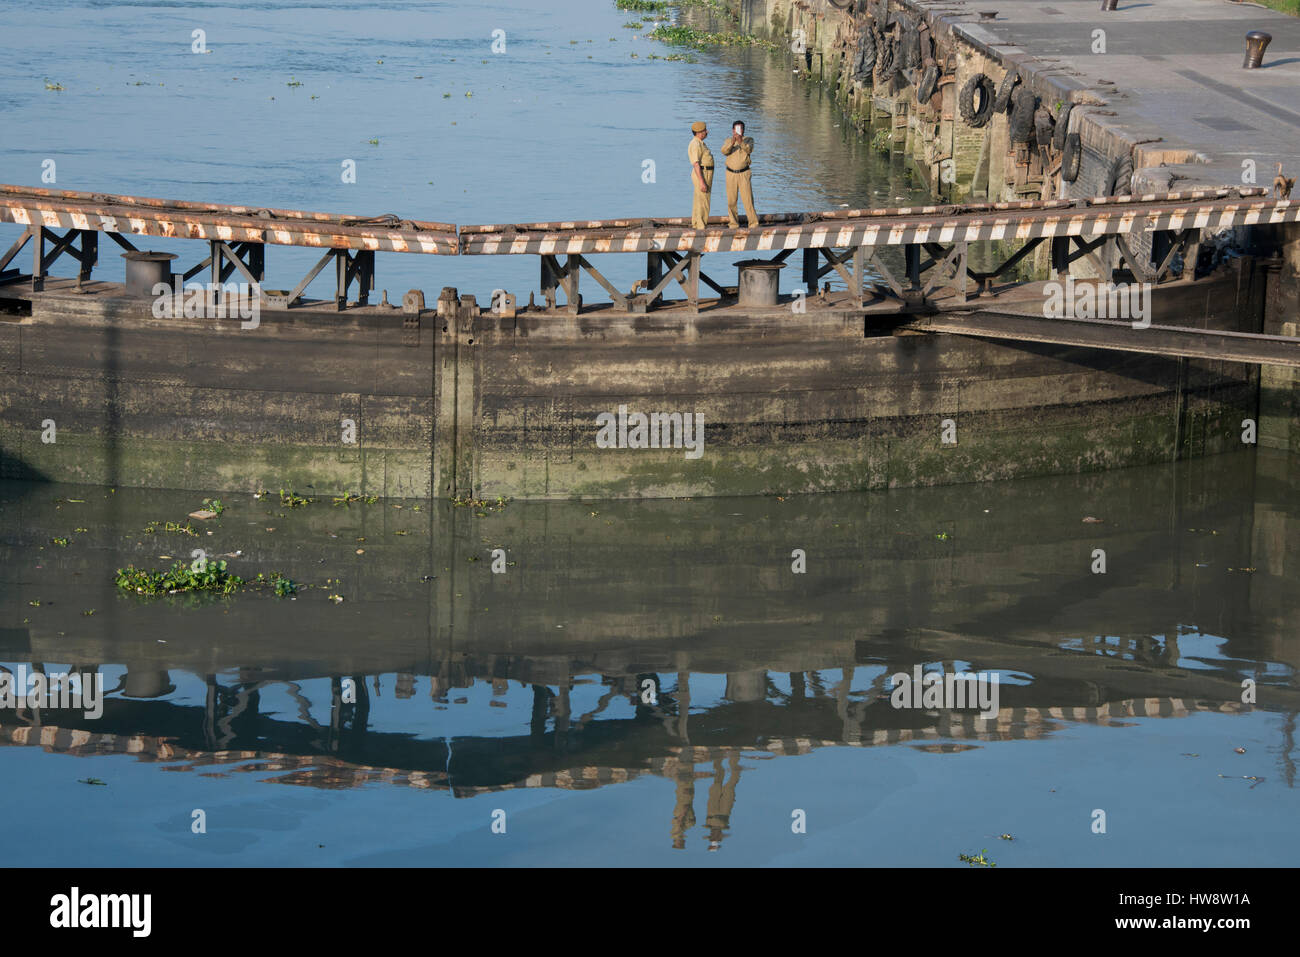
559 126
633 683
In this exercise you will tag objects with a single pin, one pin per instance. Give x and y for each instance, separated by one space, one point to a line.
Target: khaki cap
698 127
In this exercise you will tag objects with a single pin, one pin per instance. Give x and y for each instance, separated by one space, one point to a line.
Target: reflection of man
701 175
739 149
684 811
722 798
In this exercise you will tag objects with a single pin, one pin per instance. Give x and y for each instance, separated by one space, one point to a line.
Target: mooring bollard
759 282
1109 4
1256 42
145 269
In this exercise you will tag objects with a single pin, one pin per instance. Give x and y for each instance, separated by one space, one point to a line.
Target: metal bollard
1256 42
1109 4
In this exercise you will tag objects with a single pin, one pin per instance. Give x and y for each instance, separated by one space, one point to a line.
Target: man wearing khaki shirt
701 158
738 150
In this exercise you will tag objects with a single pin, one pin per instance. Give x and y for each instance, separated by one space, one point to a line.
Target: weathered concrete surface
194 403
473 404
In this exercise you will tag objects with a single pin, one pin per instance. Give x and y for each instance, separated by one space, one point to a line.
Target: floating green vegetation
284 587
51 85
351 497
976 859
61 542
179 578
633 25
643 6
374 142
214 505
678 35
291 499
186 529
882 140
209 577
293 82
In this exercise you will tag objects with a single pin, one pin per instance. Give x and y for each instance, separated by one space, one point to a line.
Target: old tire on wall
911 48
1021 125
929 82
979 87
1062 127
866 52
1071 154
1119 179
887 60
1003 99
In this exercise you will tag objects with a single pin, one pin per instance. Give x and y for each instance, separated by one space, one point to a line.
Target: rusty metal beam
172 219
1253 348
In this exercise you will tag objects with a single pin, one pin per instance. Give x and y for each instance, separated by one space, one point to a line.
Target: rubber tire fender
1062 127
966 101
1003 99
887 60
1120 176
1021 125
929 81
1071 153
912 48
866 52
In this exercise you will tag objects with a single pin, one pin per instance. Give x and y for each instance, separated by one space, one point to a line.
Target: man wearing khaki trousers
701 175
739 150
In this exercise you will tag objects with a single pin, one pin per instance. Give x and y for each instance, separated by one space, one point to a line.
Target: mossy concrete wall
468 403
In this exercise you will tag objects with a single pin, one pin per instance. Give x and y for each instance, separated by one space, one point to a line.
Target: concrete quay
1164 78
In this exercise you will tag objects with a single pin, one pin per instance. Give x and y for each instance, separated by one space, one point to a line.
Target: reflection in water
662 640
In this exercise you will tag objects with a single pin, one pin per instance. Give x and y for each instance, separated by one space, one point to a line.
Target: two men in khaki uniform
737 149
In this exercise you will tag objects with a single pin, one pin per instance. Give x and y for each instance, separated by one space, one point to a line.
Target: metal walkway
934 241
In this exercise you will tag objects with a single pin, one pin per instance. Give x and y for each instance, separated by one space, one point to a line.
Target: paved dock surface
1171 71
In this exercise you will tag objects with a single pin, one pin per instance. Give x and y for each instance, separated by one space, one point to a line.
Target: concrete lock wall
202 404
472 404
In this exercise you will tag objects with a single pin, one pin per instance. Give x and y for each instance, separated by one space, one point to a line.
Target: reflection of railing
326 770
950 732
